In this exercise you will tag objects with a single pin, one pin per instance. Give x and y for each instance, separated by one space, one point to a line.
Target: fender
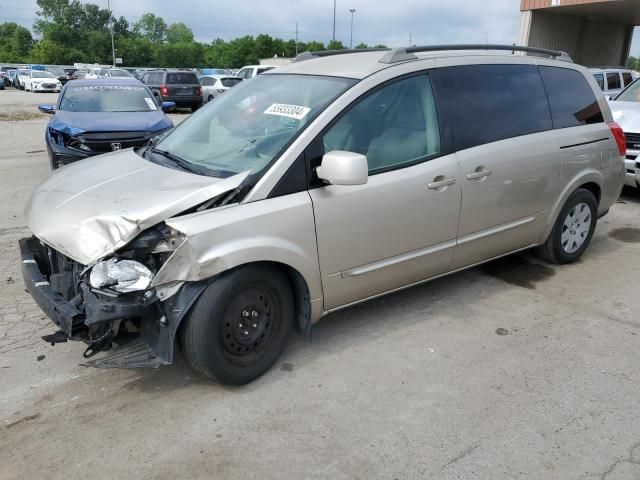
279 230
589 175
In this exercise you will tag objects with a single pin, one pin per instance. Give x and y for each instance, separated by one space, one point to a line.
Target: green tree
152 27
188 54
335 45
136 51
16 44
633 62
362 45
179 33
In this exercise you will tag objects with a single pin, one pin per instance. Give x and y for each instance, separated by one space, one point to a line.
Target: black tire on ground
209 98
553 249
239 326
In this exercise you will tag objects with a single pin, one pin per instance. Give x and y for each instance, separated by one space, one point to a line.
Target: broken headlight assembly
133 268
120 275
65 140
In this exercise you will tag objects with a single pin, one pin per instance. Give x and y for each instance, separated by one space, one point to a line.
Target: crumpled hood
73 123
627 115
95 206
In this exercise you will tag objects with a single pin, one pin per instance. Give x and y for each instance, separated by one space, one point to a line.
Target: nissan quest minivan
317 185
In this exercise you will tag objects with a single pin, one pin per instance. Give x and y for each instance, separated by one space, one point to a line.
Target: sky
389 22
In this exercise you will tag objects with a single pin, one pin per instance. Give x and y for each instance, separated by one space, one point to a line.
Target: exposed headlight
123 276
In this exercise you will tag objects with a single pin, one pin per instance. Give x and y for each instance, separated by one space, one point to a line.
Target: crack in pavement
465 453
629 459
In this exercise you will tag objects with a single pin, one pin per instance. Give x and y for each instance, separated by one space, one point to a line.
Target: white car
251 71
626 112
613 80
95 73
39 81
214 85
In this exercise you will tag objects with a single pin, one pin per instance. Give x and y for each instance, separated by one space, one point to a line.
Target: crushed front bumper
94 317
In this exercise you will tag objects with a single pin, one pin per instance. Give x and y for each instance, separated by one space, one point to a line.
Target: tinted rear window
487 103
230 82
627 78
182 78
571 99
613 81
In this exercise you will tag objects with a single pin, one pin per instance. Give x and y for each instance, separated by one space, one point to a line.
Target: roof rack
407 53
327 53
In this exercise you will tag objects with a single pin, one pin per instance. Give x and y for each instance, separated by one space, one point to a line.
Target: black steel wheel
240 324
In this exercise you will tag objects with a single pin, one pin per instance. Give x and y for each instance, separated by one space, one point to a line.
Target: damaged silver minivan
312 187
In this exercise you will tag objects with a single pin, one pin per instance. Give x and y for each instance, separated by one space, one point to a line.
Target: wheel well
301 294
593 188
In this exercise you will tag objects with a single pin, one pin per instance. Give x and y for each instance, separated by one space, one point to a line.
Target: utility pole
113 44
333 39
410 42
353 10
296 39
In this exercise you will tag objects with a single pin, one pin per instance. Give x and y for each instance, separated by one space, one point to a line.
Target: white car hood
627 115
93 207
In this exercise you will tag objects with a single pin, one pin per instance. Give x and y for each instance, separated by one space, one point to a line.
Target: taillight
163 91
621 140
198 90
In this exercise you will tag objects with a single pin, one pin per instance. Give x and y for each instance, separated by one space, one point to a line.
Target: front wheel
240 325
573 230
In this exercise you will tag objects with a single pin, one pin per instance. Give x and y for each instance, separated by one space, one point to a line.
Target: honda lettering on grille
116 146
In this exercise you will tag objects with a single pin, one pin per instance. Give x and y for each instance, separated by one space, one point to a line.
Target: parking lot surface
516 369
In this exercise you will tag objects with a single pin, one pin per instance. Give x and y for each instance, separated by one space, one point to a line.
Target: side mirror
344 168
47 108
168 106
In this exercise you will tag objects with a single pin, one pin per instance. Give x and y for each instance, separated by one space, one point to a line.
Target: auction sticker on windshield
151 103
292 111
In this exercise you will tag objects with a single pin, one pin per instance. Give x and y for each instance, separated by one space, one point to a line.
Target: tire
209 98
573 230
216 337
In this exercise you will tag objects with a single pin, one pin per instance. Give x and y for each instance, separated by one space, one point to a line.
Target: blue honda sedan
93 117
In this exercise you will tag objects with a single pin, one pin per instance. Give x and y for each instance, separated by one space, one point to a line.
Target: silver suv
318 185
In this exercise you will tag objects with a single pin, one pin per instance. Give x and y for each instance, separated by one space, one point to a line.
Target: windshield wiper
182 163
191 167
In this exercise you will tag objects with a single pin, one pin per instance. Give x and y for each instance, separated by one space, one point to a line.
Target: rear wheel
573 230
240 325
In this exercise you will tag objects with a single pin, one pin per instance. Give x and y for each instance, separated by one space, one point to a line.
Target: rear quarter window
627 78
571 99
487 103
182 78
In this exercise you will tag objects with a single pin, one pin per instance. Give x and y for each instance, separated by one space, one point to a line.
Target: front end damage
142 327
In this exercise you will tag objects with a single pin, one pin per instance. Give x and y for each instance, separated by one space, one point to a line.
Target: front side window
249 126
631 94
613 81
488 103
396 125
108 98
571 99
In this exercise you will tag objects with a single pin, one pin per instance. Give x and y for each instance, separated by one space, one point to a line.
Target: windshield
56 71
35 74
247 127
108 98
631 94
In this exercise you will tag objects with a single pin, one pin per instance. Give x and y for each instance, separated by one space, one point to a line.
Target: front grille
111 141
48 85
633 140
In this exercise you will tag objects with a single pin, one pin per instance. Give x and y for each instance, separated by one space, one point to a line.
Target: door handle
440 182
485 172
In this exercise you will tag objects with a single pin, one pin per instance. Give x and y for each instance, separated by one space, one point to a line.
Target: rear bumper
182 100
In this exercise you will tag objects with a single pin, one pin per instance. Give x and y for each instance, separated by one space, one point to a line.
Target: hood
627 115
44 80
80 122
93 207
